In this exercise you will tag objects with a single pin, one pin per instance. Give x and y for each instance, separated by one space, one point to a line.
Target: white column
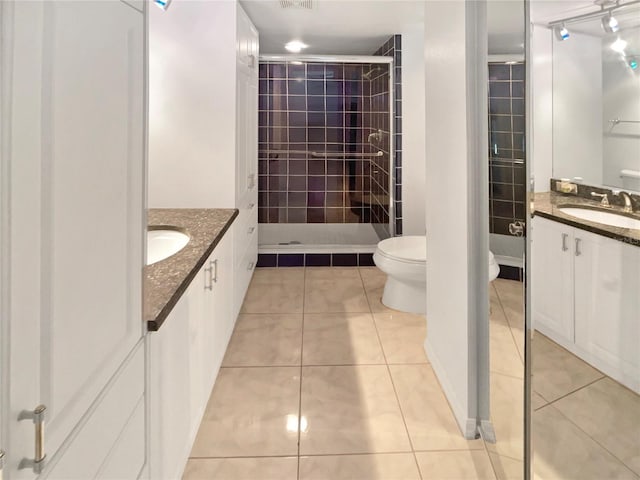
457 206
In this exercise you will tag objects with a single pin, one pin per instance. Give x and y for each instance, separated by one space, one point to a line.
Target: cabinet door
76 211
218 323
607 305
552 279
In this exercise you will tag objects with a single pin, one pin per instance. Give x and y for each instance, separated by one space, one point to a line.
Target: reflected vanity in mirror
584 267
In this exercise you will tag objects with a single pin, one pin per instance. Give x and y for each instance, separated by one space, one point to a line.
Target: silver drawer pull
38 416
578 252
250 267
207 274
251 205
214 264
564 242
251 230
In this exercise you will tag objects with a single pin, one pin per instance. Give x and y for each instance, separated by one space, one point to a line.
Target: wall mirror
596 97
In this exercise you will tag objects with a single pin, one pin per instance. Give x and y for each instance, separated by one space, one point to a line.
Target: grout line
551 402
395 392
589 435
304 292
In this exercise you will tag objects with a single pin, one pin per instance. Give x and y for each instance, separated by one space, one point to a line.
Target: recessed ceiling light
295 46
619 45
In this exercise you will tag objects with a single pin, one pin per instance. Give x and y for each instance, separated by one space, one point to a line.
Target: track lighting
561 32
163 4
610 24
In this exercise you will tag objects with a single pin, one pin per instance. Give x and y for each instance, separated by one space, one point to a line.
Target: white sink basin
606 218
162 244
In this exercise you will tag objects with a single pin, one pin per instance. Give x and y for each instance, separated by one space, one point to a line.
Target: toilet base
405 296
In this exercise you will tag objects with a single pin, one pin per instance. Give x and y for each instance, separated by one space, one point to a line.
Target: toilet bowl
404 260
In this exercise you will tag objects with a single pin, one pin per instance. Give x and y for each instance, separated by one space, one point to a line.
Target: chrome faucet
605 200
628 206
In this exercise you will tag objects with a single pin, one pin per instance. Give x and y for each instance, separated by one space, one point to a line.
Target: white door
607 305
552 278
76 162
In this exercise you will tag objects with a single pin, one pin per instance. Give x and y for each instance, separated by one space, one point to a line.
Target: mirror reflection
585 249
596 98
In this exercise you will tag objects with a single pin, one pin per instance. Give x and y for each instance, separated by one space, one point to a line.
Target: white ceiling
359 27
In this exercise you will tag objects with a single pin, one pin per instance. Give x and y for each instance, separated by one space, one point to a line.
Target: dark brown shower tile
315 215
297 199
315 199
296 215
297 183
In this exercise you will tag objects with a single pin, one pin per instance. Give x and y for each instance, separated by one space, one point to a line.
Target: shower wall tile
363 259
384 181
507 182
311 117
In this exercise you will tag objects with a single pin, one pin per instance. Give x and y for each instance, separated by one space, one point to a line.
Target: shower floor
317 238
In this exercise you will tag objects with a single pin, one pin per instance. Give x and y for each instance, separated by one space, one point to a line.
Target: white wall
541 65
413 127
621 99
457 203
577 118
192 102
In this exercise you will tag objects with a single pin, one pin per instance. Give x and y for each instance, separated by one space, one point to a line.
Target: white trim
466 424
317 249
6 10
325 58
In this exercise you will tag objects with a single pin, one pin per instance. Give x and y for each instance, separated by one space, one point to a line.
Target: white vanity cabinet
72 330
208 77
185 356
586 297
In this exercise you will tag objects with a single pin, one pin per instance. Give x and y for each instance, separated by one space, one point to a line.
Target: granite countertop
166 280
547 205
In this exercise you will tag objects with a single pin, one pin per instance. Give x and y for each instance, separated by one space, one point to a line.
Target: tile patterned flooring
323 382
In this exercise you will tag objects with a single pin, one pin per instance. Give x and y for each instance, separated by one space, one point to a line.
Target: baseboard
468 426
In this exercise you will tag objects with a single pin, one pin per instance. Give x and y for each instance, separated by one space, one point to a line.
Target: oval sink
162 244
606 218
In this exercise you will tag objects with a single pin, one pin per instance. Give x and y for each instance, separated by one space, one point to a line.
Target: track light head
561 32
163 4
610 24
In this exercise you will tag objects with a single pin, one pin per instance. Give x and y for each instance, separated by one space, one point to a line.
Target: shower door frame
392 130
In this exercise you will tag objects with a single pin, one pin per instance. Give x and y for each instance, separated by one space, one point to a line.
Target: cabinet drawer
105 424
127 457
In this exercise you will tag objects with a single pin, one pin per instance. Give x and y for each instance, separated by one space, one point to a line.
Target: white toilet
403 259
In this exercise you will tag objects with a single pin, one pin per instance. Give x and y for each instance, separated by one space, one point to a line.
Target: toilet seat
407 249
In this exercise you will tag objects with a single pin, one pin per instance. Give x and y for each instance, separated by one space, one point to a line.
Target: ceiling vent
296 4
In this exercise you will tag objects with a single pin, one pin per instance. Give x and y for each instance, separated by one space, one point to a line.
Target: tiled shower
507 178
326 150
